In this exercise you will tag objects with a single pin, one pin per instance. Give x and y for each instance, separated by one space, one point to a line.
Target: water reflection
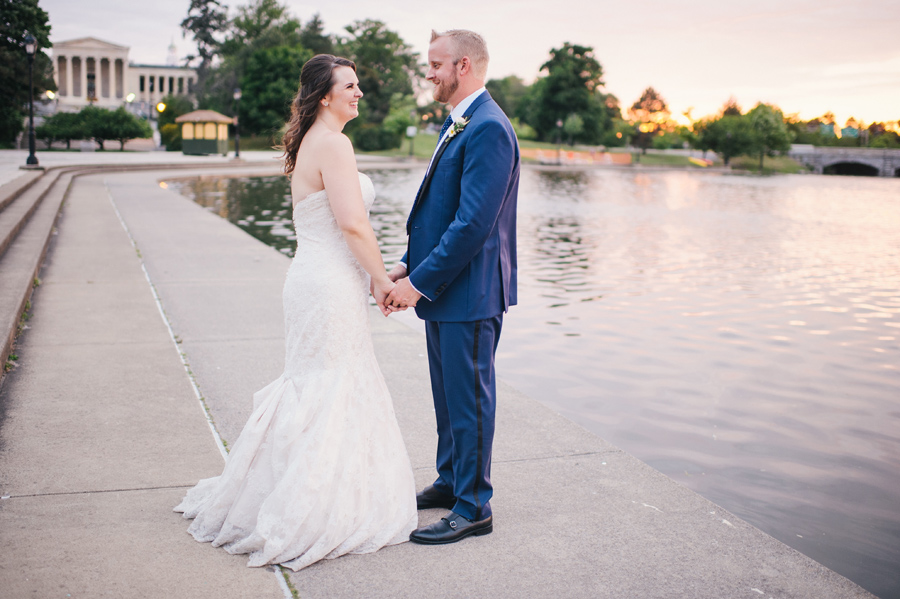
740 334
259 205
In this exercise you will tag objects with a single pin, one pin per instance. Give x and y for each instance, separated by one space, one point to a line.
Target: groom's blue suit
462 257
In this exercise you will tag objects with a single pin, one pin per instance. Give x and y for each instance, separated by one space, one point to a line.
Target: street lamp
30 48
411 131
559 128
237 122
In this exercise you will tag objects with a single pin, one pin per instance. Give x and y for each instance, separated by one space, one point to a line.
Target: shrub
372 138
170 133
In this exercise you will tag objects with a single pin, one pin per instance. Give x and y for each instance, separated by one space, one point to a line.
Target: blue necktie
444 127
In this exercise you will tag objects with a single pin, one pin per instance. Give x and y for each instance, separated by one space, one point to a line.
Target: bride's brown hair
316 80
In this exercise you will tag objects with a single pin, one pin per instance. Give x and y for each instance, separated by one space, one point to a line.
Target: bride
320 469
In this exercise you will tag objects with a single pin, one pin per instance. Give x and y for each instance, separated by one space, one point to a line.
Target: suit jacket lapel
478 102
425 182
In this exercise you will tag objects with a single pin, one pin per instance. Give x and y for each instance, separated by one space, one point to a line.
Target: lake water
740 334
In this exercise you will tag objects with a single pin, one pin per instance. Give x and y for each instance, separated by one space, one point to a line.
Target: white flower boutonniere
457 127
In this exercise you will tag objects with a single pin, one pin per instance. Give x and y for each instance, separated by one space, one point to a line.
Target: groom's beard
445 89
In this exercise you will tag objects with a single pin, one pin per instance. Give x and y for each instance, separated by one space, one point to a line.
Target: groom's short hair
467 43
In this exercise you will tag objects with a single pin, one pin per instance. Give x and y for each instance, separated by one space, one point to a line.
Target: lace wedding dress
320 469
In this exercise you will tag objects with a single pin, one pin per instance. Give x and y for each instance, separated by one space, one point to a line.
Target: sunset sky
807 57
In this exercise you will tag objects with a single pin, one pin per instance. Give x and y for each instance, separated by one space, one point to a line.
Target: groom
461 267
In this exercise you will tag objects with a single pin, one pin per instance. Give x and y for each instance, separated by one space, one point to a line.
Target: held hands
402 296
396 294
380 290
397 273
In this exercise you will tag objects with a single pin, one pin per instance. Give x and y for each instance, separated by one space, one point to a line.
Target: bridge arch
851 167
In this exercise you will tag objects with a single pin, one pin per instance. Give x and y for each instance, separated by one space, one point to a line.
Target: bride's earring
324 103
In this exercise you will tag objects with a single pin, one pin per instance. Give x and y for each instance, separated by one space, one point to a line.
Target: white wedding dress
320 469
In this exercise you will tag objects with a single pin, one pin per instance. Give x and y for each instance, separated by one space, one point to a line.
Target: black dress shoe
450 529
431 498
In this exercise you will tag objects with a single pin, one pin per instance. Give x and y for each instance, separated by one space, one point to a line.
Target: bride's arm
341 179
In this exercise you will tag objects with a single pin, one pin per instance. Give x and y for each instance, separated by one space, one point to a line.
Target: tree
66 126
728 136
612 106
313 38
507 93
16 18
386 65
259 25
403 114
572 85
122 126
770 134
650 115
888 139
572 126
46 133
205 20
268 85
175 107
731 108
169 131
102 125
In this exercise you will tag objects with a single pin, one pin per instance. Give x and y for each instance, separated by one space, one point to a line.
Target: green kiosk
204 132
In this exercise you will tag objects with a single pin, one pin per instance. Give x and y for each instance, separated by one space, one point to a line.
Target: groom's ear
465 65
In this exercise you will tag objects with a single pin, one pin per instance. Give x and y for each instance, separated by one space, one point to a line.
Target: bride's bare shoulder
331 144
321 146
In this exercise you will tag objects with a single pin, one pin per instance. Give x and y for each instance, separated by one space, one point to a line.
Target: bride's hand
380 291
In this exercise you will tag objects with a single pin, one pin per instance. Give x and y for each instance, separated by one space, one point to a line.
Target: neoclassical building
90 70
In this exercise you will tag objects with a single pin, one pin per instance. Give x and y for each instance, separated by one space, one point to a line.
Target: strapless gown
320 469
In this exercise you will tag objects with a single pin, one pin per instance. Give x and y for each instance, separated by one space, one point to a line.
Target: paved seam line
212 427
556 457
96 491
219 443
542 458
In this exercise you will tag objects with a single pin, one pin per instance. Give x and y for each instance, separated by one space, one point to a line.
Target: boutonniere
457 127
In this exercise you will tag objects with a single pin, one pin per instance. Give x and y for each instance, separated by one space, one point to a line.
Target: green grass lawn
252 142
423 147
776 164
664 160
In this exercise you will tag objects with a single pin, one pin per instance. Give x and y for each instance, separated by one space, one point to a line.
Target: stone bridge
848 161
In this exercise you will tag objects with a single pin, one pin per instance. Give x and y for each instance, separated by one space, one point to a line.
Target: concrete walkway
101 433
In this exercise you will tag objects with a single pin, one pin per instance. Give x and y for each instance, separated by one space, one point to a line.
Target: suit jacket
462 228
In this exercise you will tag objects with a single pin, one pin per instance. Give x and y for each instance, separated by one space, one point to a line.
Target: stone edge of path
21 261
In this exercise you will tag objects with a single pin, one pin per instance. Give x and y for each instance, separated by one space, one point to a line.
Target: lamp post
237 122
559 126
411 131
30 49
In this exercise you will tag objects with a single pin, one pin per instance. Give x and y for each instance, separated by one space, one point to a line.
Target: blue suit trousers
461 362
